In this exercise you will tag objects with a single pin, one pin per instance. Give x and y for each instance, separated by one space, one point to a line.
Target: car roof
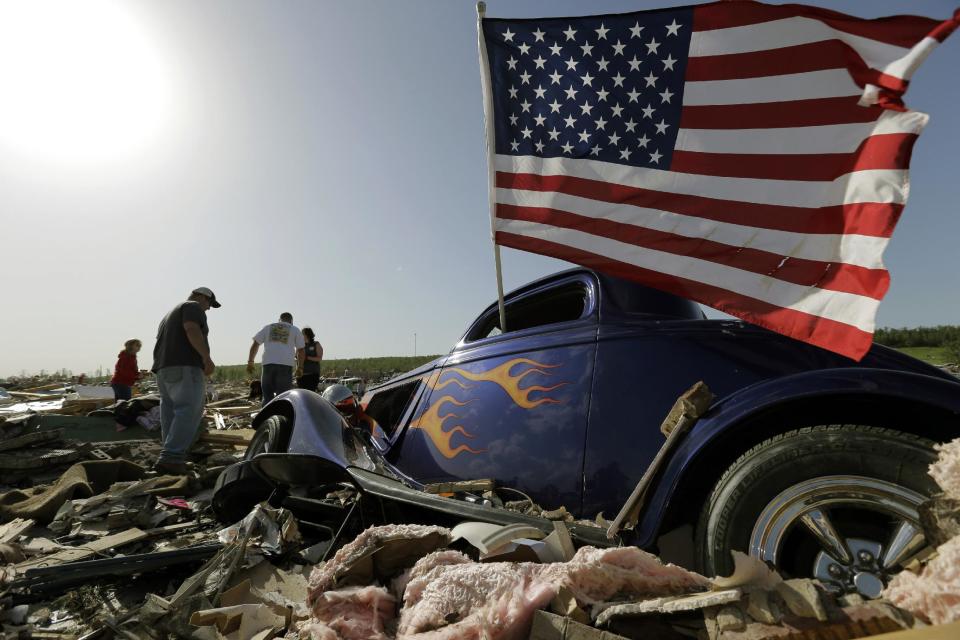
622 296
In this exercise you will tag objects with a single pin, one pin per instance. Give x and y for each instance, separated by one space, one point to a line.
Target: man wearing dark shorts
181 360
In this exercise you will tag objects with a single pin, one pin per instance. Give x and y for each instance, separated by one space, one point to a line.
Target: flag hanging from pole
750 157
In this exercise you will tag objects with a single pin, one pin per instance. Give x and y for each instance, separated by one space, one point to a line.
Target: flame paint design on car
432 422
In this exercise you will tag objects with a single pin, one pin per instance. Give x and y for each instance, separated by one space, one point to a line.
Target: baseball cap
204 291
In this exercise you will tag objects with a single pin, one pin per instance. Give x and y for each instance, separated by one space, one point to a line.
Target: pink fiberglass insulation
946 470
326 576
445 557
354 613
496 601
596 575
493 601
934 594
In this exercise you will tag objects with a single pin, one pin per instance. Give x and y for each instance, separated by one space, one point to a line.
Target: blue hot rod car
806 459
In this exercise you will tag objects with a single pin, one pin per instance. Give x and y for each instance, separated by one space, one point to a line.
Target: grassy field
368 368
933 355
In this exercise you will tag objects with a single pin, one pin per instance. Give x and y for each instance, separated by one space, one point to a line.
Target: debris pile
932 591
95 545
415 583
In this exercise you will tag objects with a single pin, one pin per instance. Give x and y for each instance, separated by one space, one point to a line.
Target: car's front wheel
272 436
833 502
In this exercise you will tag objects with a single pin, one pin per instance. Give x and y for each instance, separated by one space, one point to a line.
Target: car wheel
833 502
272 436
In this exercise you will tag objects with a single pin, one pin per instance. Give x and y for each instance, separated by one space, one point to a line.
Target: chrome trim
792 504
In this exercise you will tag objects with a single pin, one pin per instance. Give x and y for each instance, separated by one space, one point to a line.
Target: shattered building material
934 593
379 553
548 626
352 613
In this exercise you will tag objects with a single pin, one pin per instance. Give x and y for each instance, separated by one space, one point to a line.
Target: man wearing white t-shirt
282 352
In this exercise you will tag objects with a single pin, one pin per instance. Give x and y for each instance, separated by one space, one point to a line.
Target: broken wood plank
549 626
88 549
34 396
461 486
937 632
30 439
239 437
12 530
40 459
683 415
224 401
691 405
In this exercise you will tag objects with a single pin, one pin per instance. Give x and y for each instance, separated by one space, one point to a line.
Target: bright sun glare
80 82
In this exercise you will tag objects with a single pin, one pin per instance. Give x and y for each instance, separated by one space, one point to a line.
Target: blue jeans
276 379
122 391
182 396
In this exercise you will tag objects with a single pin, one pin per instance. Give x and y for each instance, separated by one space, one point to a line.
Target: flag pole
491 149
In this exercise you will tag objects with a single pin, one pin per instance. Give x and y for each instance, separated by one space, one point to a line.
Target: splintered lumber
83 405
33 396
236 410
224 401
237 437
684 414
44 387
461 486
88 549
38 459
30 439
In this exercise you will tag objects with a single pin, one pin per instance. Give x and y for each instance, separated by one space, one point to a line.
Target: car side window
562 304
387 406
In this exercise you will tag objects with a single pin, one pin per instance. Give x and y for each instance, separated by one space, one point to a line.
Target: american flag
750 157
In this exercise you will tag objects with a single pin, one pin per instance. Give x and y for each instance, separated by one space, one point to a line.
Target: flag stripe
869 218
793 113
839 277
890 151
829 83
899 31
852 309
829 334
854 249
791 32
875 185
837 138
815 56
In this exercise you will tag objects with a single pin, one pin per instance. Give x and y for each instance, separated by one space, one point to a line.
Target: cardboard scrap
748 572
241 622
549 626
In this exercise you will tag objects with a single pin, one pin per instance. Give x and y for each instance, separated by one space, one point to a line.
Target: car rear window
561 304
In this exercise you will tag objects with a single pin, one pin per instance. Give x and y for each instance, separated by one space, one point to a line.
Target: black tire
761 474
272 436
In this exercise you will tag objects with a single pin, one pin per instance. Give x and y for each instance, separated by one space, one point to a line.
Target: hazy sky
322 158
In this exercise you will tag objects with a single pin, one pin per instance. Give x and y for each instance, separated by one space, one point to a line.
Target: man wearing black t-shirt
181 360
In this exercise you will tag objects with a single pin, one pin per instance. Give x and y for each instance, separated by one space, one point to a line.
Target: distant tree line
943 336
370 369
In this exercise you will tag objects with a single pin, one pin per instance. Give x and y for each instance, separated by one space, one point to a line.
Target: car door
513 406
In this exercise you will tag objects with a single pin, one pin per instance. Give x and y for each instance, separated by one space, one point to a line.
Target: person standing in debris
125 372
283 349
313 355
181 359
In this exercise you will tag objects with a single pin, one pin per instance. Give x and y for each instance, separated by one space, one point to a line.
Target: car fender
318 429
730 413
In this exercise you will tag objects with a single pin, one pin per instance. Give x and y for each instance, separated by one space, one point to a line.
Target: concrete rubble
94 545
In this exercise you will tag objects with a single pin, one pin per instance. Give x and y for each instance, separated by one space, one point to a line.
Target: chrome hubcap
848 564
